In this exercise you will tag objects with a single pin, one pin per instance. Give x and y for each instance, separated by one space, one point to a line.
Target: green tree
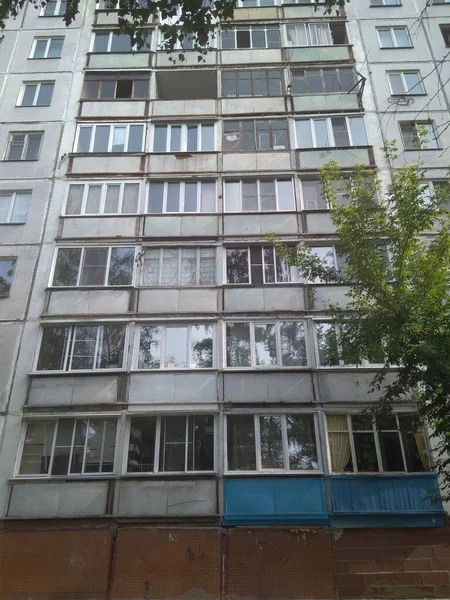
397 307
186 18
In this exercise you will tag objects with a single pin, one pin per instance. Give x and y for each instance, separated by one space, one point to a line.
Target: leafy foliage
402 303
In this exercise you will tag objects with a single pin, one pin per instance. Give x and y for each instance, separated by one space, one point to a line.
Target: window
259 135
271 442
54 8
82 347
440 191
7 268
394 37
194 137
179 266
406 82
67 446
14 206
189 42
254 3
418 135
111 41
325 132
102 198
445 30
333 256
324 81
259 195
251 36
36 94
96 266
257 265
391 443
313 198
181 443
119 86
110 138
309 34
24 146
182 197
176 347
47 47
332 349
385 2
276 344
252 83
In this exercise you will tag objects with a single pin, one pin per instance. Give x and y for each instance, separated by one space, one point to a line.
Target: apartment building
176 416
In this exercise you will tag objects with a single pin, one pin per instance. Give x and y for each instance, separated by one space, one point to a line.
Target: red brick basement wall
56 561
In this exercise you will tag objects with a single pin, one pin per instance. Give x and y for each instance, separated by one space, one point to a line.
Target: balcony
314 158
386 501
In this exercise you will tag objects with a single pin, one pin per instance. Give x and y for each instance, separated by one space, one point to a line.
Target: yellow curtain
422 449
339 442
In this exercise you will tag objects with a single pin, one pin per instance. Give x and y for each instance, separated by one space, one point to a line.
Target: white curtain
339 442
296 35
320 34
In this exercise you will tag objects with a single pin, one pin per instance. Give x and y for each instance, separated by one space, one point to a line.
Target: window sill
110 100
408 95
105 154
12 224
422 149
322 148
272 151
274 473
181 370
170 475
85 288
397 48
76 373
61 478
270 369
17 160
43 58
32 105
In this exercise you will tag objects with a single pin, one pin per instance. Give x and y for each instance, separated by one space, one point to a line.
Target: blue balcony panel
386 501
274 500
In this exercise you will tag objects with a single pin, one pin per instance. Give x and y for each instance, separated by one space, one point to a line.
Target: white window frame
350 433
419 86
14 260
268 321
308 27
393 37
159 417
75 417
303 204
179 45
263 25
286 470
184 136
25 146
420 146
258 182
330 132
47 48
292 269
335 265
387 3
57 12
182 197
161 250
134 48
112 127
162 351
13 196
68 356
104 185
36 94
81 264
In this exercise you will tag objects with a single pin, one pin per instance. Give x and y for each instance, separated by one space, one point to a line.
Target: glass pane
269 265
53 348
415 448
207 266
208 196
256 265
267 195
312 196
81 428
124 88
16 147
315 81
34 144
401 37
175 138
5 206
45 94
293 348
249 196
74 200
55 47
169 273
275 83
358 131
265 344
156 198
228 39
391 453
101 42
366 457
229 85
84 345
130 198
273 37
28 96
303 132
101 139
285 195
327 344
298 82
283 270
118 142
120 43
176 348
188 274
91 89
121 266
321 131
173 197
238 345
63 444
201 443
109 445
190 197
93 199
140 88
395 79
241 443
172 453
244 83
301 442
331 81
151 267
111 347
348 80
237 265
6 275
94 266
160 138
150 347
40 48
413 84
37 448
385 38
141 448
232 196
207 138
135 138
112 198
258 38
66 267
242 38
201 347
248 136
271 443
263 135
94 436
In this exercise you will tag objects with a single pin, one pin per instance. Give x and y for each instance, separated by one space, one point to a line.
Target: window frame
101 78
283 413
156 472
182 197
68 353
164 325
384 3
259 196
330 132
252 72
103 194
420 147
322 69
243 27
308 28
391 30
13 194
75 416
184 136
11 259
269 321
38 85
111 32
350 432
47 48
292 269
270 133
57 13
112 127
81 266
419 86
179 284
25 147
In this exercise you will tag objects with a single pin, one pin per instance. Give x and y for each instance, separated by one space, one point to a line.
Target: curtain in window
339 442
296 35
422 449
320 34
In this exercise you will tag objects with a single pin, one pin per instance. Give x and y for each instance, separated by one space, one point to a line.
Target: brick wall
39 561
